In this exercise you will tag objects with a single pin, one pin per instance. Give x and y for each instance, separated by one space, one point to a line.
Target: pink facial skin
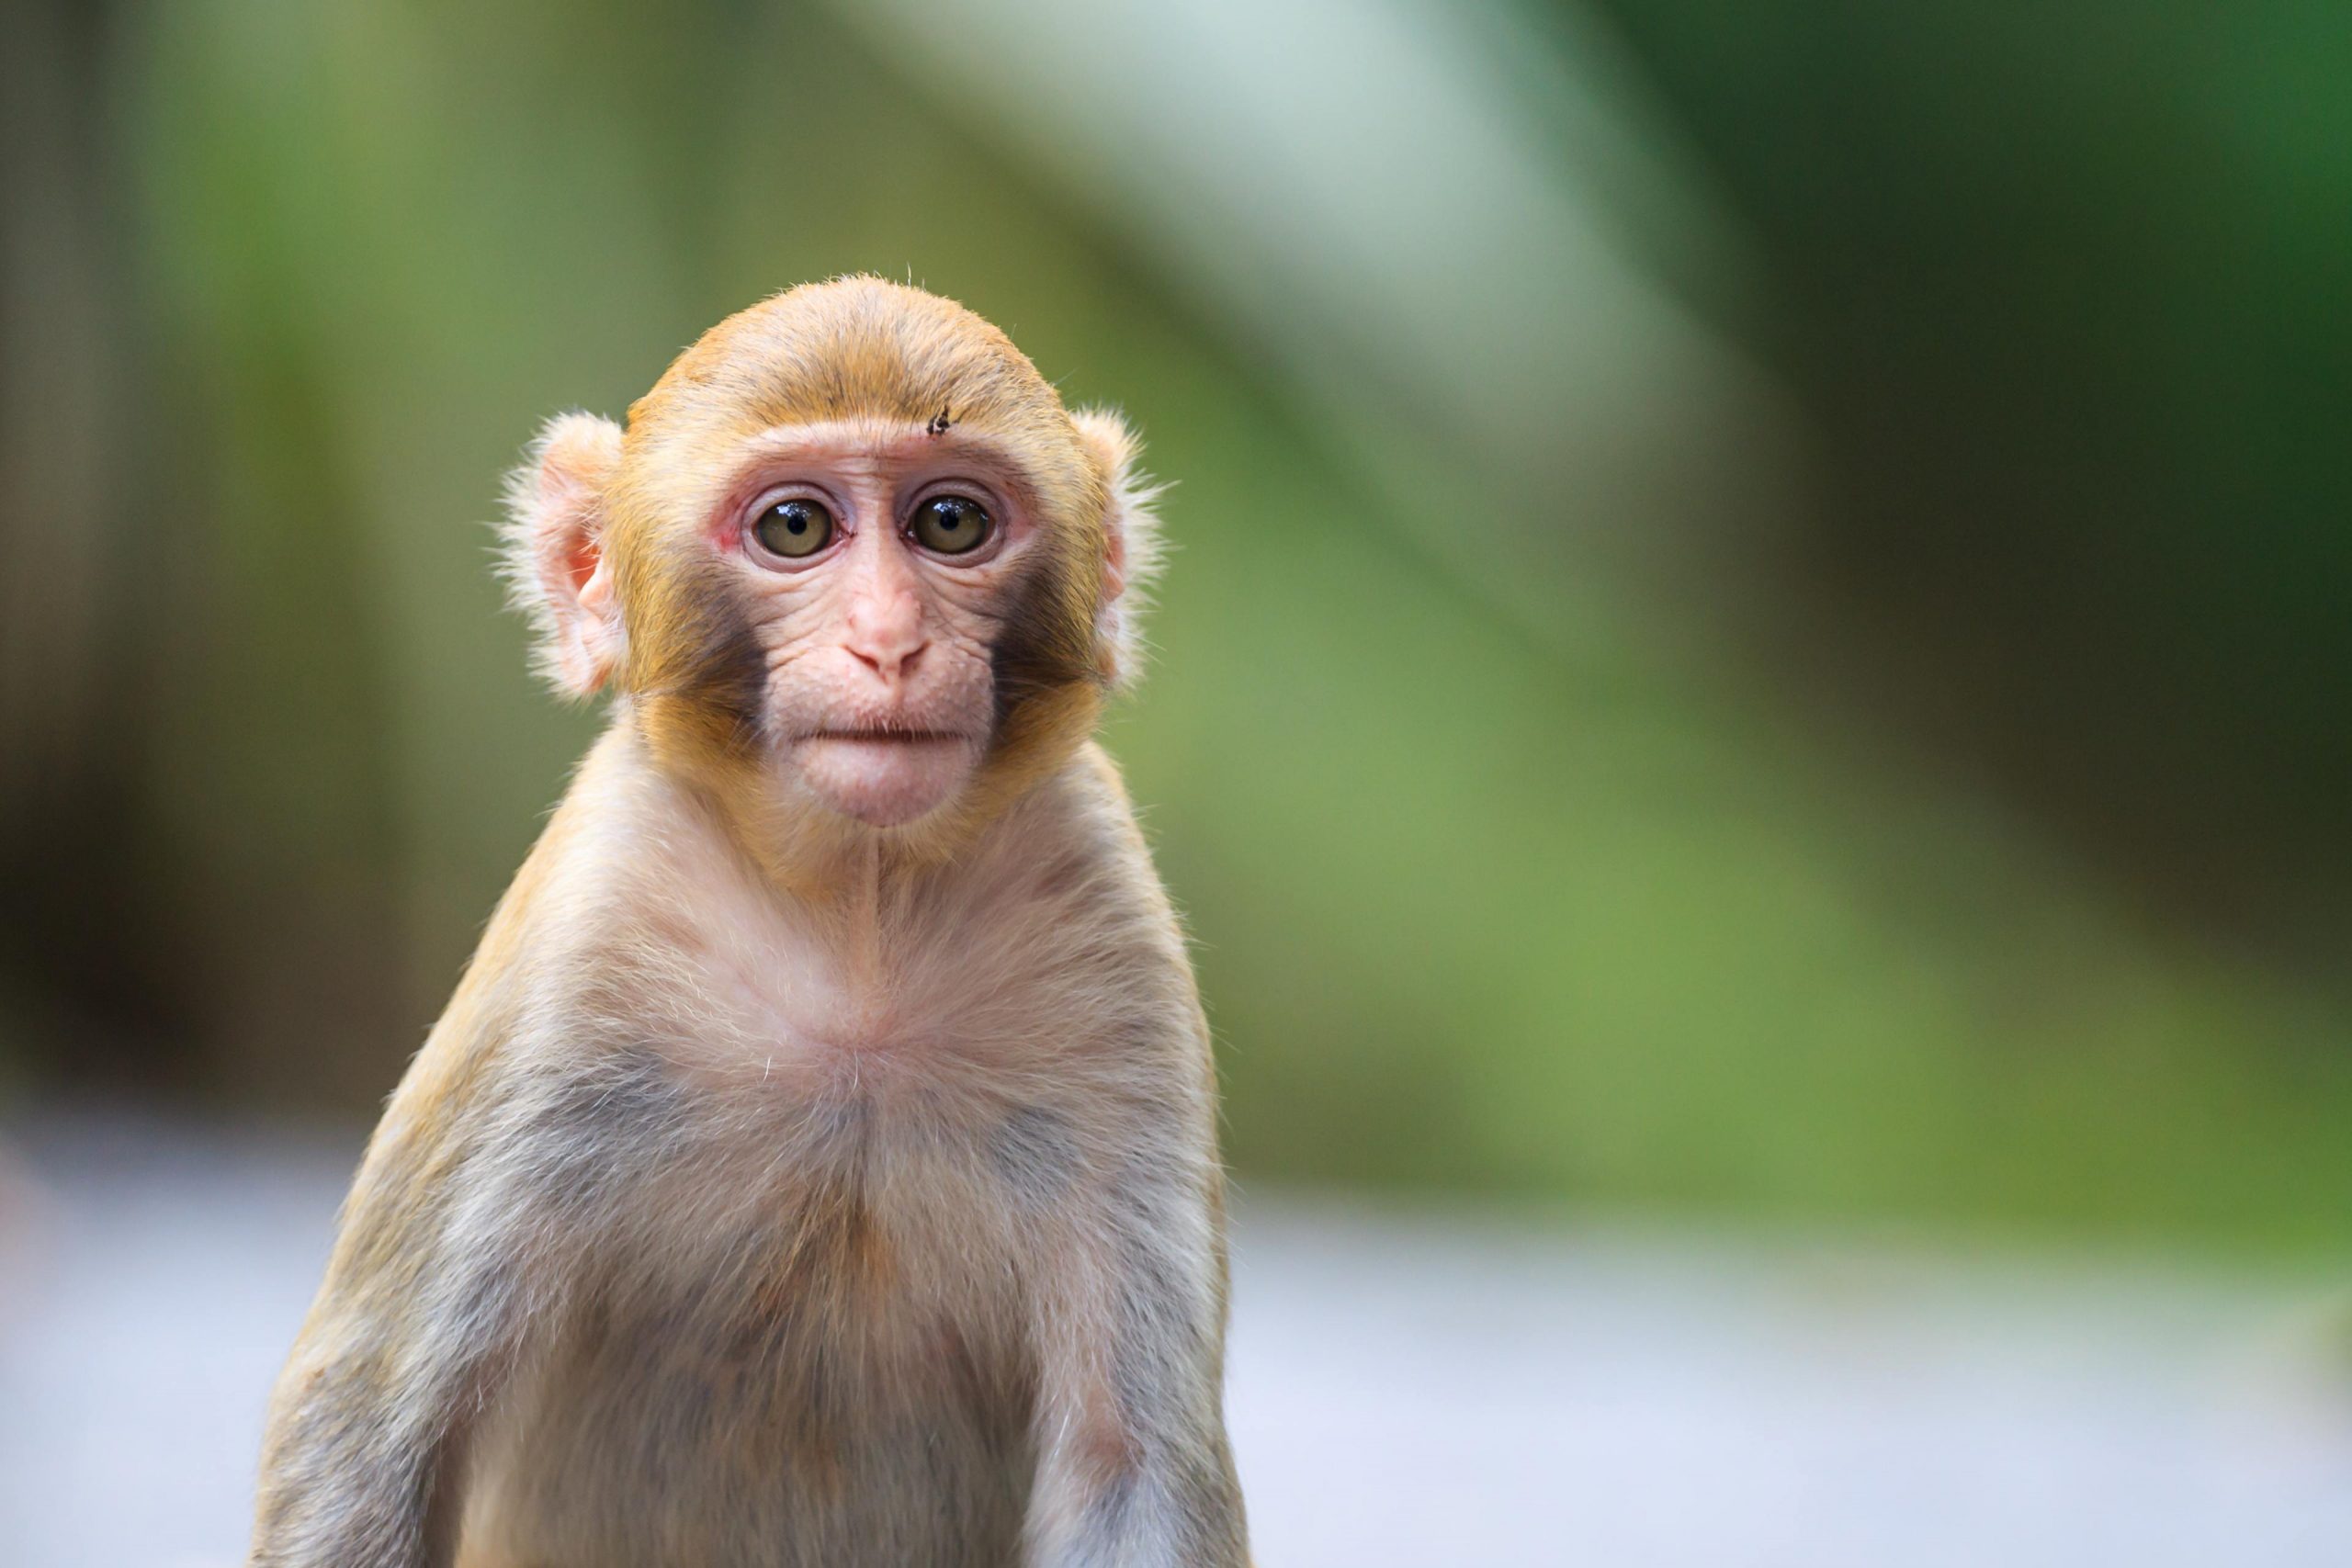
878 647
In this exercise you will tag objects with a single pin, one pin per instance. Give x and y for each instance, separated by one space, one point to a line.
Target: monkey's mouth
884 775
884 735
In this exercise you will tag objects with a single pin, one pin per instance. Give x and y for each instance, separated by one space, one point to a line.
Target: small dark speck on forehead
939 423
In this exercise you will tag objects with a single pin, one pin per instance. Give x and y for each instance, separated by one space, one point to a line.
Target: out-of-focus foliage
1758 618
2063 290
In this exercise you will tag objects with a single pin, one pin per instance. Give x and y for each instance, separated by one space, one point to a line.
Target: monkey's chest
827 1367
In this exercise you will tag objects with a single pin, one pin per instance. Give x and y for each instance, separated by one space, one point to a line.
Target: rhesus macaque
817 1163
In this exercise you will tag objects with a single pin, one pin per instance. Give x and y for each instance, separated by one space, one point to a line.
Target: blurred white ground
1417 1388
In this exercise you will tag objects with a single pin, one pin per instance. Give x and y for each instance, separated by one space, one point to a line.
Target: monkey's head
851 554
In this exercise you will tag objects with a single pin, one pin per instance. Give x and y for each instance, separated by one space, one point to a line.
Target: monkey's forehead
856 348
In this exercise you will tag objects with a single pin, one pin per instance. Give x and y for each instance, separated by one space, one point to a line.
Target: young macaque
817 1163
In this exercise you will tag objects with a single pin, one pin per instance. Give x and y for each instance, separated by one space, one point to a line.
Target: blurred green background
1762 623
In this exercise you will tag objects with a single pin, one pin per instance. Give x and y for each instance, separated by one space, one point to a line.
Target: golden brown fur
780 1189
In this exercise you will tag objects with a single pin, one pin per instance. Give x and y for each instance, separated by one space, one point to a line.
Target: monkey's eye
950 525
794 528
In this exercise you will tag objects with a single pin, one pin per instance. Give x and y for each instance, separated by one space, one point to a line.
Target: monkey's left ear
1131 560
556 568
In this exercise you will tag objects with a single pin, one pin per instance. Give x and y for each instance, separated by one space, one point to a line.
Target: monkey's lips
884 775
878 736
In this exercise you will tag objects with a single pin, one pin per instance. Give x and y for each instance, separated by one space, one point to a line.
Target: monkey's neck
852 874
862 914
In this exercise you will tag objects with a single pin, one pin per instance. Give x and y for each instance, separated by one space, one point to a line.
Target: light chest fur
788 1172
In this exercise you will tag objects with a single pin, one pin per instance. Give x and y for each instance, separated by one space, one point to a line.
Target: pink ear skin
1131 558
556 569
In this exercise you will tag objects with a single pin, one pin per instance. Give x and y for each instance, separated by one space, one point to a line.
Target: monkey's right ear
555 566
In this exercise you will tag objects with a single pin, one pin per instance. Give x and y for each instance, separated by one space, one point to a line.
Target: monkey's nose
893 661
883 630
887 638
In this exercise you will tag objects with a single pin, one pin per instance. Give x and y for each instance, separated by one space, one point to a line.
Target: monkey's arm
1134 1465
366 1419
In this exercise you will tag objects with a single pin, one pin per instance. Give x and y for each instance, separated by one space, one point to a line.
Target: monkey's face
851 546
875 567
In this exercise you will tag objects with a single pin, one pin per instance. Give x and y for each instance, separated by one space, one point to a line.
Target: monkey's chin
884 780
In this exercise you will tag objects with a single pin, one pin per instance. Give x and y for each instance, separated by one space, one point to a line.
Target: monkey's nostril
891 663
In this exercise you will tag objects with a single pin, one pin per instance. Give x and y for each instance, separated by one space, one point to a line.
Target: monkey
817 1162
